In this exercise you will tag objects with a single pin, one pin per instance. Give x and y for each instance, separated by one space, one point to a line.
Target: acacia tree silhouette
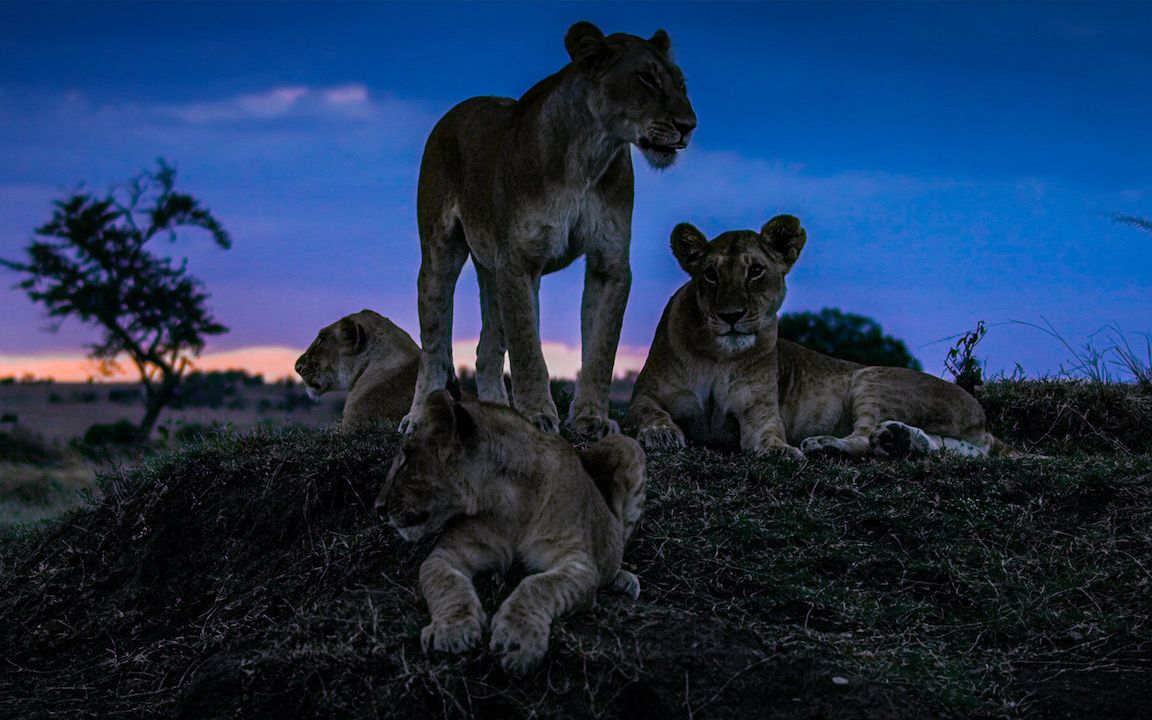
90 262
846 336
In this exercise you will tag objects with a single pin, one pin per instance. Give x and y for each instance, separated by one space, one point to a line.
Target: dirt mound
248 577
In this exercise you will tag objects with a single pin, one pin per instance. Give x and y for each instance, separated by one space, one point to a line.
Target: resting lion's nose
731 317
300 367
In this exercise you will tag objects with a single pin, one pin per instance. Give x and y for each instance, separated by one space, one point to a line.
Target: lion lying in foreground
367 355
506 492
716 372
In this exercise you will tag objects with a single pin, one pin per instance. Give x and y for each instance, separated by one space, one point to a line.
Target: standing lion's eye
648 79
711 276
755 271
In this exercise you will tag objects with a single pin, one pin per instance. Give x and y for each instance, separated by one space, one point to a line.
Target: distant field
59 412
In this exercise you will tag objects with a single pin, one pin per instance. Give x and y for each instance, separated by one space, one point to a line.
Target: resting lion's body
717 373
525 187
506 493
372 359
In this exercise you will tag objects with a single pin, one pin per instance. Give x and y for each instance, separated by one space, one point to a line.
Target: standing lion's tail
618 466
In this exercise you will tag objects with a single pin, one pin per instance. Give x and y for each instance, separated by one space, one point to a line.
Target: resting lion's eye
648 79
755 272
711 276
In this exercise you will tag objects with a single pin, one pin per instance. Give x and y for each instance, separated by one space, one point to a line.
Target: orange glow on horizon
276 363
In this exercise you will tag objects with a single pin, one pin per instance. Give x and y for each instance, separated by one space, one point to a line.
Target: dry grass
246 576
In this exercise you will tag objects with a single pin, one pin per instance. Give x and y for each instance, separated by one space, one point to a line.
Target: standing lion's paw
626 583
407 425
661 437
823 446
453 636
519 642
593 426
895 439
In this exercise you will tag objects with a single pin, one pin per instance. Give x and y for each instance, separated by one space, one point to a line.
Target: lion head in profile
738 279
425 486
634 89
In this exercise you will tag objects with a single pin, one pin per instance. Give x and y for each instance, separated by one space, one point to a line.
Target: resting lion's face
635 90
738 278
326 365
424 486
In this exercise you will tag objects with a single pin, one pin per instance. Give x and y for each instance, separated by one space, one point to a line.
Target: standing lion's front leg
517 292
607 282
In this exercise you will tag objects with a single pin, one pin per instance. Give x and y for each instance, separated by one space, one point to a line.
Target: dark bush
846 336
21 446
121 432
125 396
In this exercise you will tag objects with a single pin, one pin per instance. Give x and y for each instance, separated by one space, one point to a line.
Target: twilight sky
951 161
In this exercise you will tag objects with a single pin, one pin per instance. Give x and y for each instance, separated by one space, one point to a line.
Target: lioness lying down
367 355
507 492
716 372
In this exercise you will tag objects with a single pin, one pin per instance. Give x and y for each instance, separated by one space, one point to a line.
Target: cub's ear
586 46
785 235
446 416
661 41
352 336
689 245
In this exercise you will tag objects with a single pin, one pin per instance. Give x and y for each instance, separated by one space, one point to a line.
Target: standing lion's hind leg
443 251
492 348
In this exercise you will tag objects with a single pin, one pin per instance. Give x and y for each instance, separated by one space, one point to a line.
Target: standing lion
527 186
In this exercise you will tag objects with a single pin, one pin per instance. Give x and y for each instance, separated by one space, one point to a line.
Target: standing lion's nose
732 317
685 125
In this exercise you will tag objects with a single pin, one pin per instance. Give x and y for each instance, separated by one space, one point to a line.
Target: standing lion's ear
352 336
785 235
689 245
586 46
661 41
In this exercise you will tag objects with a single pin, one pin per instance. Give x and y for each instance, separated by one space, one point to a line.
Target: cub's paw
626 583
520 643
895 439
661 437
453 636
823 446
593 426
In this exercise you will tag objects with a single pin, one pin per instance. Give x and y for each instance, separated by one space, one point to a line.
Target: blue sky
952 161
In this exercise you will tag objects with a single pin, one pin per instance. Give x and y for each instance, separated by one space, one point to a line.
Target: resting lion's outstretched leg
458 620
443 251
521 626
896 439
490 352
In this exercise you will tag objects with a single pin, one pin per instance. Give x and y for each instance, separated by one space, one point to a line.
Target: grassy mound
247 576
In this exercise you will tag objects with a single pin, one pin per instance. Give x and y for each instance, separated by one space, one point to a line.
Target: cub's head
342 350
635 89
426 487
738 278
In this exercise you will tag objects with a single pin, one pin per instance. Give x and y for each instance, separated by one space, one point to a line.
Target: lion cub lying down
506 492
367 355
717 372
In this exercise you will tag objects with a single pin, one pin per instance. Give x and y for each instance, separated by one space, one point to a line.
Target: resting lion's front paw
661 437
779 452
593 425
823 446
453 636
520 643
626 583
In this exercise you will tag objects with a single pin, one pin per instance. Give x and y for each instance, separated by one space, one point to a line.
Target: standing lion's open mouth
646 144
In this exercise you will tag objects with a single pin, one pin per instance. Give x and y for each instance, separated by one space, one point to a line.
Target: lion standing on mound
369 356
527 186
505 492
716 372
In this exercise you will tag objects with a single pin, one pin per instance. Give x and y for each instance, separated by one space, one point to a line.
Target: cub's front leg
458 620
522 625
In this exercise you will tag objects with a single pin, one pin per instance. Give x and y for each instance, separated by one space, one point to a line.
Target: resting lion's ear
586 46
689 245
661 41
352 336
448 417
785 235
